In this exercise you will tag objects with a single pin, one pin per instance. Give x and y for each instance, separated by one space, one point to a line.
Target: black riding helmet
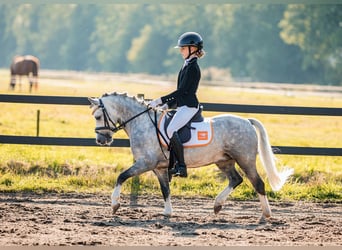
190 39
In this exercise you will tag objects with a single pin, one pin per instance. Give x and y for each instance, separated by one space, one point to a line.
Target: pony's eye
98 117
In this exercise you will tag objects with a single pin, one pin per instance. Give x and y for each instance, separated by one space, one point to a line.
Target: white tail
275 178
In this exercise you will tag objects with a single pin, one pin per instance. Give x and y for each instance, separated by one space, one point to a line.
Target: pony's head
113 112
104 130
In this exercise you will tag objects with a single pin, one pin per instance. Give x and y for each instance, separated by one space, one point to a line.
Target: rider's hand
155 103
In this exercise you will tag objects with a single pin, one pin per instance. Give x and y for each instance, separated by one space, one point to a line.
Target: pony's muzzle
104 138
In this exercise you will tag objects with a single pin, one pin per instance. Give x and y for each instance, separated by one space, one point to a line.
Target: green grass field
94 169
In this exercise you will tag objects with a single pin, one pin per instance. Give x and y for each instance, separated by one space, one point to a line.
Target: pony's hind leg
259 186
35 83
228 168
163 178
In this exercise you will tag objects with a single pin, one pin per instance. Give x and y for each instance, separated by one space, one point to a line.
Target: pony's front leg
139 167
116 198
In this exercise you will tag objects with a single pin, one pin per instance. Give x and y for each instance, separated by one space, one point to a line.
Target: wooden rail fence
261 109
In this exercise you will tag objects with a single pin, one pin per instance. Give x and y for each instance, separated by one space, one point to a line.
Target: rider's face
185 51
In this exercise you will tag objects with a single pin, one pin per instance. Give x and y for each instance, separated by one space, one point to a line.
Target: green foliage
260 42
318 35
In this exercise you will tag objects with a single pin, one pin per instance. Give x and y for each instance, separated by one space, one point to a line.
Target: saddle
185 132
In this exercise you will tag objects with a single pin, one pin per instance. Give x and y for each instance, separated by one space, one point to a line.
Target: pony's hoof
115 207
264 219
167 215
217 209
167 212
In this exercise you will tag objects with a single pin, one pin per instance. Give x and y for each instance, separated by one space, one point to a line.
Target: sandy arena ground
87 219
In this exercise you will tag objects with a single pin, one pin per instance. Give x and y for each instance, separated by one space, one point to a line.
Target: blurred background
269 43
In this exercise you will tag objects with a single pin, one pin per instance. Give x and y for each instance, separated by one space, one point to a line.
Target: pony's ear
93 101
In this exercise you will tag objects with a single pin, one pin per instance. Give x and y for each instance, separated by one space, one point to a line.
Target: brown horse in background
25 65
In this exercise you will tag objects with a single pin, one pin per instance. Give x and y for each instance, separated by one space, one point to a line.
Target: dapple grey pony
235 140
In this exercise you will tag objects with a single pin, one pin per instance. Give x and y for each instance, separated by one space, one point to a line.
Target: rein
158 133
107 120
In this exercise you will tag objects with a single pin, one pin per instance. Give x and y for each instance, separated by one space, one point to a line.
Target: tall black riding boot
177 147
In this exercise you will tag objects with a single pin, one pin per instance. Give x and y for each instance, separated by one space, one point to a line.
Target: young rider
184 98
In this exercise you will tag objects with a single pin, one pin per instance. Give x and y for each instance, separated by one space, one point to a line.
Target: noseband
107 121
109 124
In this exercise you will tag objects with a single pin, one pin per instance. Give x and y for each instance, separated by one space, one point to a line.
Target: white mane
127 97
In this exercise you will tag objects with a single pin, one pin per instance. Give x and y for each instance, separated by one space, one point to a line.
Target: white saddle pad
201 135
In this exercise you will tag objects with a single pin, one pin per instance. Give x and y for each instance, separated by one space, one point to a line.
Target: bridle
109 124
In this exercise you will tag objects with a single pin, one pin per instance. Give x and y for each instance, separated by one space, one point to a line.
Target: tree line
261 42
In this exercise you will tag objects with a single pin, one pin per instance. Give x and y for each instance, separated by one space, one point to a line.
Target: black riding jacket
187 85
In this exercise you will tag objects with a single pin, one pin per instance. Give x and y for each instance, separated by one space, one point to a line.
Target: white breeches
182 116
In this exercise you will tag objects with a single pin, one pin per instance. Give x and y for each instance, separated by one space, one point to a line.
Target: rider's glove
155 103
